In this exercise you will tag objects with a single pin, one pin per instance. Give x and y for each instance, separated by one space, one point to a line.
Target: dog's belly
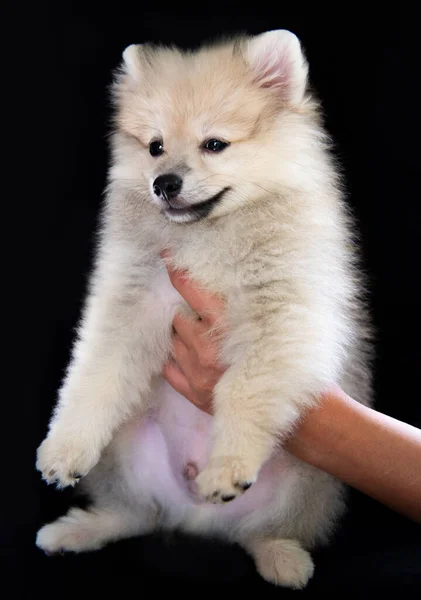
165 451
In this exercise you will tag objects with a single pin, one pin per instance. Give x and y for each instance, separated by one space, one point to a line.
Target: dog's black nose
168 186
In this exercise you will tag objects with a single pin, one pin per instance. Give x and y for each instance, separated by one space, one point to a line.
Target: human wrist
322 432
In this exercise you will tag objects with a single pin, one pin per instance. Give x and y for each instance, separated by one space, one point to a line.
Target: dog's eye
156 148
215 145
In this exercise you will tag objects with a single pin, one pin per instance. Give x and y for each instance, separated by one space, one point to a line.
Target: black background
365 66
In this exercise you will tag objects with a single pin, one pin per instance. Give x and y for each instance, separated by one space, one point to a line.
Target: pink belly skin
166 451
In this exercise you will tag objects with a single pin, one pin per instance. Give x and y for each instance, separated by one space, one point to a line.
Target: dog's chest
167 450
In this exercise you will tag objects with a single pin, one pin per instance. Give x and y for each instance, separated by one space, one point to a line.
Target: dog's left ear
278 62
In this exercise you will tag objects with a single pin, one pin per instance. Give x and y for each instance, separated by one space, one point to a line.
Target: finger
180 352
208 306
176 378
189 330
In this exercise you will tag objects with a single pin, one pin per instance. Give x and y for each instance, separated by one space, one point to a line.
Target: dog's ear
130 72
132 62
278 62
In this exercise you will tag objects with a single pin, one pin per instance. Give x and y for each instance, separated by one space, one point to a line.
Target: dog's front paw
224 479
64 461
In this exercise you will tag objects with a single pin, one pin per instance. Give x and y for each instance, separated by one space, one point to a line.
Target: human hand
194 368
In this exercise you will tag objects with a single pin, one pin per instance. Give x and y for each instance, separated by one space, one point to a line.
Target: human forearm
370 451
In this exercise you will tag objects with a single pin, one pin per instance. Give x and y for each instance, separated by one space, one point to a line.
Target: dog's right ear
132 62
131 72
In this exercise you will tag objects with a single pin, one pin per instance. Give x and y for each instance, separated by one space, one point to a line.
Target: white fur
278 247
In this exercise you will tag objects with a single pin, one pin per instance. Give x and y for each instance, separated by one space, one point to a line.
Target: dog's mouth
193 212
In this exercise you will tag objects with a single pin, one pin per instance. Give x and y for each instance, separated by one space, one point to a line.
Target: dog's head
199 134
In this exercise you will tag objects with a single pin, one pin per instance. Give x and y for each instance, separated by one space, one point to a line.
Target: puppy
220 157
